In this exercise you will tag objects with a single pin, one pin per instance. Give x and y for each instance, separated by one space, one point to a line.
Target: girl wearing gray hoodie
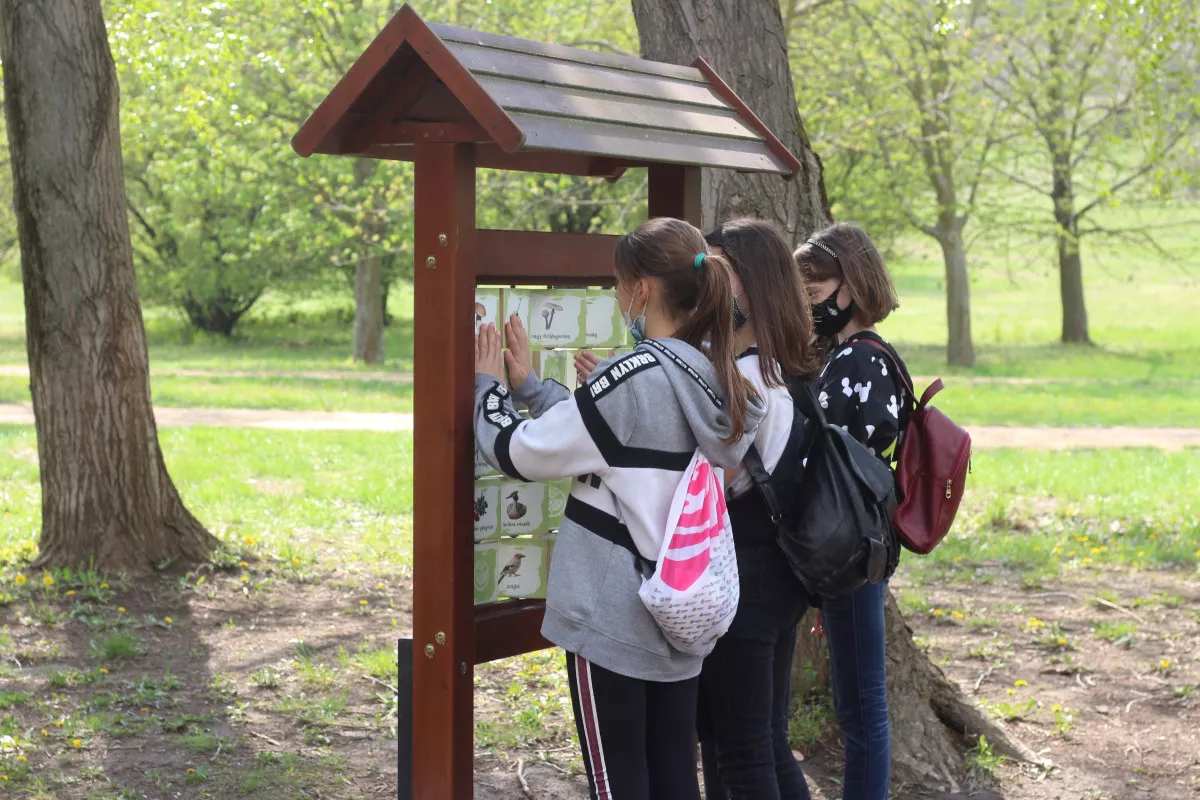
627 436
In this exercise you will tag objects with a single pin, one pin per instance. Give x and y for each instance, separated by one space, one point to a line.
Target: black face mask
828 319
739 318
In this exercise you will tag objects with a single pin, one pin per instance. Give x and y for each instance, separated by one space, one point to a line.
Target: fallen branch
1115 607
266 738
986 673
524 784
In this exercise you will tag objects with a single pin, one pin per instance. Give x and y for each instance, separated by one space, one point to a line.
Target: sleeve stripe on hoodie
501 448
617 454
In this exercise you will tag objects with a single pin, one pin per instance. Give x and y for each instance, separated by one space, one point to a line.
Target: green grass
337 497
115 646
1161 403
1043 513
278 334
268 392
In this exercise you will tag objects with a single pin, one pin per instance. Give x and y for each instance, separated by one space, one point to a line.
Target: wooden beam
413 82
508 629
675 192
445 252
534 257
726 93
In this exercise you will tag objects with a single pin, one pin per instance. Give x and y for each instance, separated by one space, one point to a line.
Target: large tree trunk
754 62
959 348
1070 262
745 42
368 310
107 500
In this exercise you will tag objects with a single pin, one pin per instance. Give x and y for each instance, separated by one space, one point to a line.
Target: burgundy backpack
931 468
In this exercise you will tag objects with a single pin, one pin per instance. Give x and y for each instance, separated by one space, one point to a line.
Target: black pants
638 737
746 682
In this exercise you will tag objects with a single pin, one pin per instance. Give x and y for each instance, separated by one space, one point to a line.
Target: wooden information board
453 101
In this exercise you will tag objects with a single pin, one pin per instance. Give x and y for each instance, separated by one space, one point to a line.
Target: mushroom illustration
516 509
548 313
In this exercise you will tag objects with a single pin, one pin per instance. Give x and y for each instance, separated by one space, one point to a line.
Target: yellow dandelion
45 732
21 579
1164 664
77 742
1019 684
190 770
1034 622
245 579
104 586
145 709
380 586
120 609
1012 692
59 723
243 563
70 593
1198 554
3 777
362 602
1071 554
168 620
957 614
22 759
295 560
1104 549
103 671
48 580
1141 554
1056 708
1095 551
1062 640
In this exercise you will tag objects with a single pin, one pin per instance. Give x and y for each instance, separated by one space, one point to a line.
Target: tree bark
1070 261
369 302
754 62
744 41
107 500
959 348
368 310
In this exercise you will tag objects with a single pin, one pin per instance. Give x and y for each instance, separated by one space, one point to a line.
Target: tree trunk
107 500
369 301
959 348
1070 261
754 62
745 42
368 310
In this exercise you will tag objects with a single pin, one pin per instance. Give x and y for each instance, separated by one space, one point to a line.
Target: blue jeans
855 631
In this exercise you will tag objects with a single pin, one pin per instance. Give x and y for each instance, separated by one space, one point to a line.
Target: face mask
636 327
739 317
828 319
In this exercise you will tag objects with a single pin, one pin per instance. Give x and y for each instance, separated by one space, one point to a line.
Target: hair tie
698 261
832 254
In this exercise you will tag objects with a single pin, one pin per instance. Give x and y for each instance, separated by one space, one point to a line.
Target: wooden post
675 192
443 399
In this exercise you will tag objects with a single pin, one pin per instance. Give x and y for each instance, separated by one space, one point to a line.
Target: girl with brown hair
627 436
745 683
859 388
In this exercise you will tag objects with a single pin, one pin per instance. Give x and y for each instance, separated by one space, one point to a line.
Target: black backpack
831 499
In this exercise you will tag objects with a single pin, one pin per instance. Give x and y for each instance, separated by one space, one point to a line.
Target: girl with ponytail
626 436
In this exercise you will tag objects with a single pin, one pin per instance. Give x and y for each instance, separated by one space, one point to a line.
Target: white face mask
636 327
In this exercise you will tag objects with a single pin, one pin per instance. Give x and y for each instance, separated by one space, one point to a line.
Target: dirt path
22 371
984 436
22 414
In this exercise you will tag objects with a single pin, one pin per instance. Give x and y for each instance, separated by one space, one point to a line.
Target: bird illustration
548 313
512 568
516 509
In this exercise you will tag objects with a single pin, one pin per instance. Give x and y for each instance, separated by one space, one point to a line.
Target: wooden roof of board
534 106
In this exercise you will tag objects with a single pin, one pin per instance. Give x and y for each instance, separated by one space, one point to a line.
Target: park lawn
1139 403
265 392
243 675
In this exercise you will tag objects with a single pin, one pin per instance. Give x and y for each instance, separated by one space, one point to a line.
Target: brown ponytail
666 249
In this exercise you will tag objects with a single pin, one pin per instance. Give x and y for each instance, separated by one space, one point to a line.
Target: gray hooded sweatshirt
626 436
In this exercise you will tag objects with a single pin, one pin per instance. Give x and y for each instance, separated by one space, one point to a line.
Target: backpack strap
753 463
933 388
